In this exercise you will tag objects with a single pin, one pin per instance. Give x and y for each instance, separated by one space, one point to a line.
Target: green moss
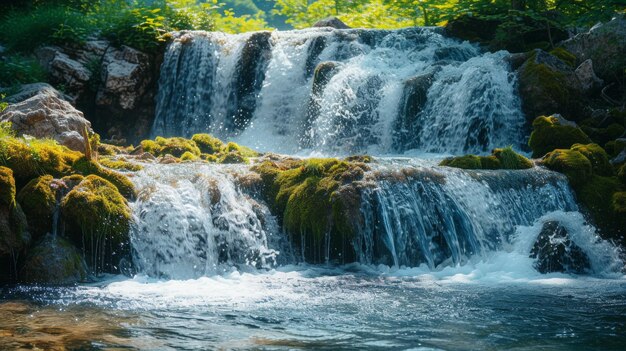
233 157
170 146
596 195
359 158
509 159
490 162
7 187
306 195
618 203
209 158
53 260
208 144
597 156
504 158
548 134
30 159
565 56
120 165
39 200
188 156
464 162
551 83
86 167
572 163
97 219
108 150
621 173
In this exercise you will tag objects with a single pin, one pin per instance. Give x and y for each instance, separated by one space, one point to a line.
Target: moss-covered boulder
86 166
504 158
120 164
172 146
597 156
548 85
309 197
552 132
97 219
207 144
53 261
39 201
572 163
14 236
30 159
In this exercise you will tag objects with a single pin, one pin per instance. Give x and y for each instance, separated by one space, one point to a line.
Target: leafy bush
25 30
18 69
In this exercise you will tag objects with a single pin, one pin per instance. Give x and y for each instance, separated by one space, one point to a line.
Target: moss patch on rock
53 261
572 163
7 187
549 134
39 200
201 147
119 164
504 158
98 219
208 144
86 167
307 195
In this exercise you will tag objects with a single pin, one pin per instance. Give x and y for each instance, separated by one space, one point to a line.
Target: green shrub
17 69
25 30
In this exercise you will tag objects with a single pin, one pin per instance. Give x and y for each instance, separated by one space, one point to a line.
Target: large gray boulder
125 75
605 45
46 115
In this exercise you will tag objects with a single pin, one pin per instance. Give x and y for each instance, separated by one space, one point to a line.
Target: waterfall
432 216
193 220
339 91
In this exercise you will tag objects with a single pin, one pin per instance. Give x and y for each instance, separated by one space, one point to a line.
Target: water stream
441 255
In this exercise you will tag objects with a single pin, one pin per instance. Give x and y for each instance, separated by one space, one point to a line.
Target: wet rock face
605 44
115 87
54 261
413 101
45 115
554 251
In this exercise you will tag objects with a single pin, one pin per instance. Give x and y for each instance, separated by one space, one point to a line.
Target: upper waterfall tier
339 91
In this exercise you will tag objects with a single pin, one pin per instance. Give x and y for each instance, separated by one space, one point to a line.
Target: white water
471 105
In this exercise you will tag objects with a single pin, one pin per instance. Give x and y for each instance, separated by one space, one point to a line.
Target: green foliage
548 134
18 69
25 30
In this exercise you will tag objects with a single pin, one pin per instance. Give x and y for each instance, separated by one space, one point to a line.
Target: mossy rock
233 157
597 156
39 200
307 196
242 150
619 203
548 134
504 158
121 165
598 197
603 135
86 167
30 159
510 159
565 56
53 261
7 187
207 144
188 156
170 146
573 164
464 162
98 219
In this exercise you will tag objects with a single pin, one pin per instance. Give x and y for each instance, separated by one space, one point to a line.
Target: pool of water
324 308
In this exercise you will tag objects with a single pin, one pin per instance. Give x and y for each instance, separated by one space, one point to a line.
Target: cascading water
339 92
335 92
